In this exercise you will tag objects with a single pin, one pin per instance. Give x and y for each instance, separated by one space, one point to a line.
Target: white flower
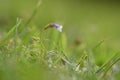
58 27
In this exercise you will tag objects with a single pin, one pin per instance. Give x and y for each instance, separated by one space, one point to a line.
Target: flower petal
58 27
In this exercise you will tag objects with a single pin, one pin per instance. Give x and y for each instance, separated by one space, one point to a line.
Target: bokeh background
91 21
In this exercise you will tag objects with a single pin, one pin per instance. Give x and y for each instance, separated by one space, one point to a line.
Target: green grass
28 52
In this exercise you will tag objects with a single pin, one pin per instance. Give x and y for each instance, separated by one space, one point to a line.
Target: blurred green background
92 20
89 20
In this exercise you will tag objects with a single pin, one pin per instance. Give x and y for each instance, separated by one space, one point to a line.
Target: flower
53 25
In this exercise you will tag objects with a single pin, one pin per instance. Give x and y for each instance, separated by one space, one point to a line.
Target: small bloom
53 25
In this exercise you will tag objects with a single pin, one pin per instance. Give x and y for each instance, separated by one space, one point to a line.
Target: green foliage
28 52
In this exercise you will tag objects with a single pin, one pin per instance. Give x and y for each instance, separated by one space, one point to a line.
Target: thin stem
34 12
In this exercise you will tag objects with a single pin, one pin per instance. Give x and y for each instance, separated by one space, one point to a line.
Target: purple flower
53 25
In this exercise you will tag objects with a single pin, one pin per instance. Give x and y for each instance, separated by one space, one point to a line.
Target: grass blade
10 33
